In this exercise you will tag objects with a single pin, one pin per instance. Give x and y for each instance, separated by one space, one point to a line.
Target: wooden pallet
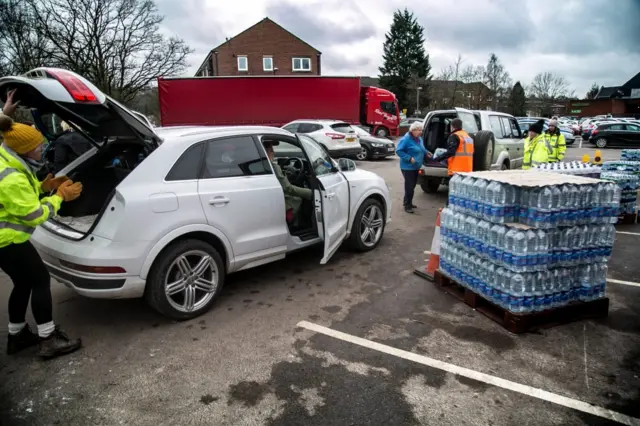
627 219
522 323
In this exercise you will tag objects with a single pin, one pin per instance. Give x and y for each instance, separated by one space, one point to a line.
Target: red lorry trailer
275 101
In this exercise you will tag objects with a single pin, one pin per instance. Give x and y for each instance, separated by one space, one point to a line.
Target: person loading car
21 210
459 154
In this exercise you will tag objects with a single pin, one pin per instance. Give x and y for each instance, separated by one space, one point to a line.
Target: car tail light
335 135
76 88
595 132
93 269
420 172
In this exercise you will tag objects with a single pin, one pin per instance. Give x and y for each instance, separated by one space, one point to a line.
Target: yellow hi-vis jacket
559 146
21 208
536 151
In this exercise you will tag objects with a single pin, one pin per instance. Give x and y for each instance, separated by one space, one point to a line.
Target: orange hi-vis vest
463 160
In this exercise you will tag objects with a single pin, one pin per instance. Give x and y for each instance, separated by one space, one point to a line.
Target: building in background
265 48
620 101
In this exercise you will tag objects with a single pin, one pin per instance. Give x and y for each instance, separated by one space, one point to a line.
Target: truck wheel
483 146
382 132
430 186
185 279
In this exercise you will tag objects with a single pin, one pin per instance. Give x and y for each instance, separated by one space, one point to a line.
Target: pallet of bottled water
629 184
622 166
521 248
630 154
523 292
537 199
577 168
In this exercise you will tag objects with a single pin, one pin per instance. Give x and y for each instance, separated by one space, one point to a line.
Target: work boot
58 344
23 340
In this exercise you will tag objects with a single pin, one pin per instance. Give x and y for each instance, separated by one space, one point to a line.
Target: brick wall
264 39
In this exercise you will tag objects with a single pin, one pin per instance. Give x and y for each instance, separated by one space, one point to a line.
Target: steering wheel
294 168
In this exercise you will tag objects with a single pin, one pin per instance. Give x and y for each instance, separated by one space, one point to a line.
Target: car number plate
390 149
351 139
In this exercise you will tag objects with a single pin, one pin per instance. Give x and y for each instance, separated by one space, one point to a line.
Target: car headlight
377 145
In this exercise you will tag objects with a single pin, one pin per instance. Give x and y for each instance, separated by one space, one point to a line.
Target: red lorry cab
275 101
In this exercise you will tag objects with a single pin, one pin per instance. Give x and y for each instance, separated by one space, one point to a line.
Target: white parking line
611 280
475 375
627 233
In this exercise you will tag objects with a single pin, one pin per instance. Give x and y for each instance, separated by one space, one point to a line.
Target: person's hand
412 160
429 155
50 183
69 191
9 107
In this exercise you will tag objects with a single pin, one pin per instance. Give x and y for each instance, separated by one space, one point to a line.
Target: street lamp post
418 89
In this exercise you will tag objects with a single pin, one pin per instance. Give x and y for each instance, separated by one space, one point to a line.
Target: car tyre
601 142
165 264
356 240
430 186
483 146
365 154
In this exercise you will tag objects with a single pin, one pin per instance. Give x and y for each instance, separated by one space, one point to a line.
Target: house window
243 63
302 64
267 63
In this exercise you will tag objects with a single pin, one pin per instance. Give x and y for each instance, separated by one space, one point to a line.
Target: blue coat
408 147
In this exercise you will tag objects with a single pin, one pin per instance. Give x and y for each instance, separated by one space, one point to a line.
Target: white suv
166 213
338 137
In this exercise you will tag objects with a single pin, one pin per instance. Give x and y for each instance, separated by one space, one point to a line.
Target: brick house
620 101
265 48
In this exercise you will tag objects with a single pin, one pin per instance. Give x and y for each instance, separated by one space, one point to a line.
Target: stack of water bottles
630 155
577 168
529 241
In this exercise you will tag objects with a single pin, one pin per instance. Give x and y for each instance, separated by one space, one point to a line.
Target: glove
68 190
50 183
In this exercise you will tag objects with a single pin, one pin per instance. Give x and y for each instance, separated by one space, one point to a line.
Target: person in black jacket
452 142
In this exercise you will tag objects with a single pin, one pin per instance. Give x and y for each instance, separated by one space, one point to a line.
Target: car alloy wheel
601 142
371 225
362 155
191 281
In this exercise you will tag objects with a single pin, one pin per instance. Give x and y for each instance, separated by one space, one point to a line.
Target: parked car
616 134
338 137
498 142
185 206
405 124
373 147
569 138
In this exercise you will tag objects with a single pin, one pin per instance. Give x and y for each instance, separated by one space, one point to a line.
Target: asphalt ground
250 360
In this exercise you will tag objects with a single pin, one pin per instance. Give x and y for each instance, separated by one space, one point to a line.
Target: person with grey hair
412 154
556 140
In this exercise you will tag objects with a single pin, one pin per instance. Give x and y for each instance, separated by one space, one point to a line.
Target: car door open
331 198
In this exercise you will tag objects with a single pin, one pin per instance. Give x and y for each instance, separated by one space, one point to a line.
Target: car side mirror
346 165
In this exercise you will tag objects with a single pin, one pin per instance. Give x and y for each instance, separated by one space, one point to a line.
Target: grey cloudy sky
585 40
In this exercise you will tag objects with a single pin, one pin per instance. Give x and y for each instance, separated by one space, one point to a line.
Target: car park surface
250 360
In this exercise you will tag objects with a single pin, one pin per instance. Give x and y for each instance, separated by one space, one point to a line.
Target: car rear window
343 127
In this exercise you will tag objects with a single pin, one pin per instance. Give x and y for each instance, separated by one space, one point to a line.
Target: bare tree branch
548 87
116 44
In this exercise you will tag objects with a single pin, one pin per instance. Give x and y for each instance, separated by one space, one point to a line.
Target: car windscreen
342 127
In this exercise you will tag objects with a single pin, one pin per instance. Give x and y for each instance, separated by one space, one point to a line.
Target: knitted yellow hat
19 137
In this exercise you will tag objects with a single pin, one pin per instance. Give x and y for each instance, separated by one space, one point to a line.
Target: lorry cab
379 110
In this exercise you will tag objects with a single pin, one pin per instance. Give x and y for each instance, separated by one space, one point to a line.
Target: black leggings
410 181
30 280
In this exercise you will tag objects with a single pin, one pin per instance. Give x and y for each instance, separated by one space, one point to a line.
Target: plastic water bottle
529 298
532 250
516 294
479 195
484 237
508 253
541 278
543 248
505 296
493 245
499 285
520 251
454 188
557 208
586 277
545 207
523 212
